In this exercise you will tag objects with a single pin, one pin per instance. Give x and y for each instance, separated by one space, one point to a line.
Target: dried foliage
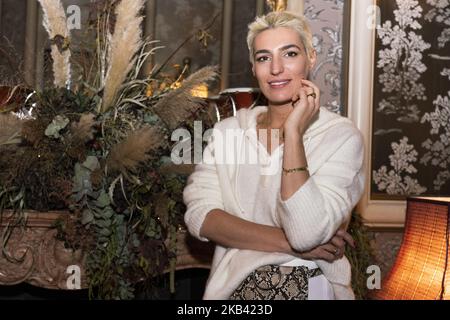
125 43
10 129
179 104
11 70
56 26
361 257
83 130
128 154
101 150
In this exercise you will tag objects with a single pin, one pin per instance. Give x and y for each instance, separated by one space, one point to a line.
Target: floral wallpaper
411 116
326 18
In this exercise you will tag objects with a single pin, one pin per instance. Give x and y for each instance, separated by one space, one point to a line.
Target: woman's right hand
305 107
332 250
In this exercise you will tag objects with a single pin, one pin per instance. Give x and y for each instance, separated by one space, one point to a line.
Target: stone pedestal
33 255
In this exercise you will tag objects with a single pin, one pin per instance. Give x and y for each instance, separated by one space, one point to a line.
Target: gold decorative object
277 5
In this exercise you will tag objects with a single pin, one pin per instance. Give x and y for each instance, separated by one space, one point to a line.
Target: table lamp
421 269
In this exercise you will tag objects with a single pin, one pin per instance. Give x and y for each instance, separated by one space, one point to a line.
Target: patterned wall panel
411 116
327 23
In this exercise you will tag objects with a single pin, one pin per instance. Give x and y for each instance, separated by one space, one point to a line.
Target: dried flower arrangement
95 145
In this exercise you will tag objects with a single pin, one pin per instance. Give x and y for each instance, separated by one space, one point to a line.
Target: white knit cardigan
310 217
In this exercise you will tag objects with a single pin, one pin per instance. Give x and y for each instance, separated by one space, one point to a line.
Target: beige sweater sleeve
202 193
312 215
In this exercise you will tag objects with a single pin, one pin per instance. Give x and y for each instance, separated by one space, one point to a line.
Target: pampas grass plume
123 46
55 22
128 154
179 104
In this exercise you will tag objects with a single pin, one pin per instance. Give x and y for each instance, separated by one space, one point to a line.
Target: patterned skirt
273 282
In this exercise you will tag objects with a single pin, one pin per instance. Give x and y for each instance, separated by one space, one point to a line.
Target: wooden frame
376 213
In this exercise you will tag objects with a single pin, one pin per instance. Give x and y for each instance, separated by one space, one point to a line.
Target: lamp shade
421 269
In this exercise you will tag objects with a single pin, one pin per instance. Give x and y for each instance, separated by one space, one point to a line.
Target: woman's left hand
305 106
332 250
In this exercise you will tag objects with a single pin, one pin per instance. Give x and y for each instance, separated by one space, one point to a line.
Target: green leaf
143 263
91 193
103 239
88 217
105 232
151 119
118 219
78 196
91 163
98 213
108 213
57 124
150 233
81 182
103 223
165 160
103 200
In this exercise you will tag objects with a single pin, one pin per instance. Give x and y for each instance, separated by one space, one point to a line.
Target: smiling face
280 63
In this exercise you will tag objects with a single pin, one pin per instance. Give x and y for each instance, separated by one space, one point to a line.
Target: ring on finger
336 251
313 94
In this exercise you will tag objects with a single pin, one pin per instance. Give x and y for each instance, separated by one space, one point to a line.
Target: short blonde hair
278 19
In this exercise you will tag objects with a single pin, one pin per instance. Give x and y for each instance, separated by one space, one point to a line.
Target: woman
278 222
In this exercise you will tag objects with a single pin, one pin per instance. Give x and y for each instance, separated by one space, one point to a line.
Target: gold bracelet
286 171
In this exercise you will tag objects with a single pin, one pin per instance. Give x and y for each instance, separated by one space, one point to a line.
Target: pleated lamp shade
421 269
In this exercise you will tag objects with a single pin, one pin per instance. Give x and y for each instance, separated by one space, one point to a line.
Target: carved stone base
36 257
33 255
